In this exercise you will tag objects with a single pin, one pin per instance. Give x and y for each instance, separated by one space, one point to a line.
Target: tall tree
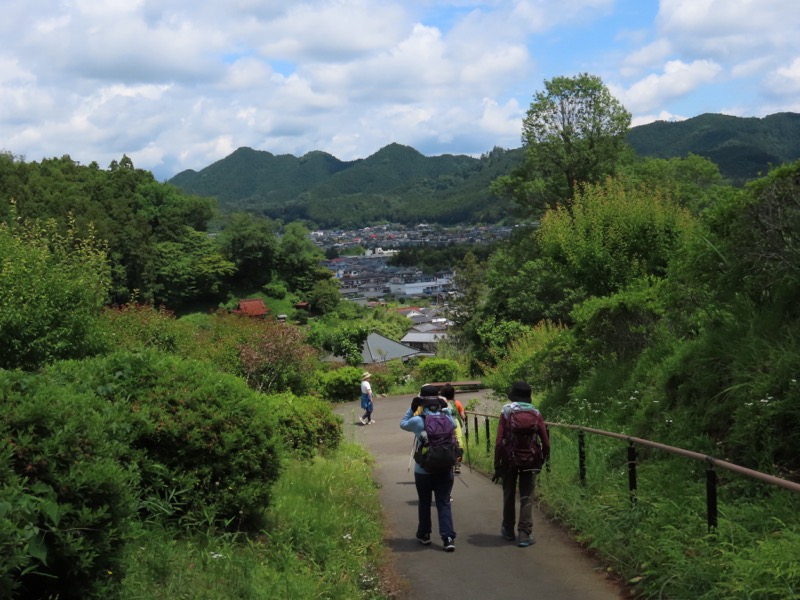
250 243
299 259
574 133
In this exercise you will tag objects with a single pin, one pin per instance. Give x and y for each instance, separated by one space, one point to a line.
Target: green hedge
67 490
204 440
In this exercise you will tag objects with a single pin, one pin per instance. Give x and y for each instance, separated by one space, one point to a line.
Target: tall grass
323 540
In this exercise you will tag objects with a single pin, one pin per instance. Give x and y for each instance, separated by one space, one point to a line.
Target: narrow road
484 565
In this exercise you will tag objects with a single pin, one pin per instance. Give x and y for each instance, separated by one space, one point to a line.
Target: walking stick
466 439
411 458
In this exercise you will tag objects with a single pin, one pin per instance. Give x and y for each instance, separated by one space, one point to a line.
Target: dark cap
429 390
520 392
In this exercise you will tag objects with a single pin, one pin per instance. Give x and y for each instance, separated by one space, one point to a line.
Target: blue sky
179 85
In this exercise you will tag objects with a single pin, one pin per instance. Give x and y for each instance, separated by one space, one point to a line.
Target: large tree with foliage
574 133
251 243
299 259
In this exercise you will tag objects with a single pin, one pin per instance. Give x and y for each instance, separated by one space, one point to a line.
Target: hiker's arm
411 423
545 437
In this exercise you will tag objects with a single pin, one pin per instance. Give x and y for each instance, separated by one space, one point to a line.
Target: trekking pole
466 440
461 480
411 458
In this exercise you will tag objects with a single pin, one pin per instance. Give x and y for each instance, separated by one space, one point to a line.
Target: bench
460 386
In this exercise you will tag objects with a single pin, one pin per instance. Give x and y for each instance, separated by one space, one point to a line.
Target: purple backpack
439 450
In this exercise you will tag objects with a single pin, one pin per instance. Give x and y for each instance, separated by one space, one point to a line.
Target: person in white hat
366 399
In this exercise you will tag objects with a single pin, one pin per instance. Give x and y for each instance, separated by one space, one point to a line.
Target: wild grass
323 540
661 544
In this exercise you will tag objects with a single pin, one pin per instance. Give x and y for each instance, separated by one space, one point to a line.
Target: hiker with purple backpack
436 453
521 447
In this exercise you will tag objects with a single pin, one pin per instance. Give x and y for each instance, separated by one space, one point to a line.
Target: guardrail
711 462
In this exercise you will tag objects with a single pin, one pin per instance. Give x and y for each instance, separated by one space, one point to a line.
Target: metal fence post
477 431
488 436
582 457
632 471
711 498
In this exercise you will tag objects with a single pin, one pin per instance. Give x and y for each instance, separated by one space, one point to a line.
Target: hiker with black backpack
436 453
521 447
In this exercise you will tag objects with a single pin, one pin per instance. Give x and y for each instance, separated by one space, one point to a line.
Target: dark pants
526 483
366 404
438 486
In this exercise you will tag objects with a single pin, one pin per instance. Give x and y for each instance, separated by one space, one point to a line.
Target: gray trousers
526 481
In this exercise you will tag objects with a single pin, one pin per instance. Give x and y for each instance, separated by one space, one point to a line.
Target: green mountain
396 184
399 184
743 148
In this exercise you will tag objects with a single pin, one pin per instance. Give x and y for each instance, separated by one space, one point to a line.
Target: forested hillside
742 148
398 184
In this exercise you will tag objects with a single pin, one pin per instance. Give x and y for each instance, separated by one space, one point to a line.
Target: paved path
484 566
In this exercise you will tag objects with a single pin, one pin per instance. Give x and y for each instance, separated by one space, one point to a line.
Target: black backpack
439 449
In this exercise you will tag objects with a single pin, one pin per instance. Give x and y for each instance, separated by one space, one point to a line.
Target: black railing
712 463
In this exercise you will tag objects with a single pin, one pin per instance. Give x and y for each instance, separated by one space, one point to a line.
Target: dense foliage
676 328
51 287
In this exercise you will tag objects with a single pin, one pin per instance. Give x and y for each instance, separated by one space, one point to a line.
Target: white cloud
178 85
678 79
785 80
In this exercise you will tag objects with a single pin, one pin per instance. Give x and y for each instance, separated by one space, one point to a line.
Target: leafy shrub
341 385
536 357
436 369
51 291
68 487
206 444
132 326
306 425
276 289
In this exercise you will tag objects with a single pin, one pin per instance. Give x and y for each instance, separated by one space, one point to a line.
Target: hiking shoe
449 544
362 420
525 540
424 538
507 535
371 422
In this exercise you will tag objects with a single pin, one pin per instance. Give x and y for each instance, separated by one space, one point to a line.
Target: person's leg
443 485
509 502
424 485
526 479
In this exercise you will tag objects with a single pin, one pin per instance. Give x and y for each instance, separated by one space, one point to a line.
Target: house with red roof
252 307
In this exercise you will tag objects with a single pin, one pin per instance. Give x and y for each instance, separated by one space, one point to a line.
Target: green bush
206 443
436 369
51 290
306 425
133 326
341 385
68 490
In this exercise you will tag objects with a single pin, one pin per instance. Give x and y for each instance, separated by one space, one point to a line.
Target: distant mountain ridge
400 184
397 184
743 147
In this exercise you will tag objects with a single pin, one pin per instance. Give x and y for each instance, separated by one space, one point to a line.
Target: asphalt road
484 565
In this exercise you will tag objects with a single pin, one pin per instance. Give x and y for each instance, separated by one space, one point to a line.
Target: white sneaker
372 421
362 420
